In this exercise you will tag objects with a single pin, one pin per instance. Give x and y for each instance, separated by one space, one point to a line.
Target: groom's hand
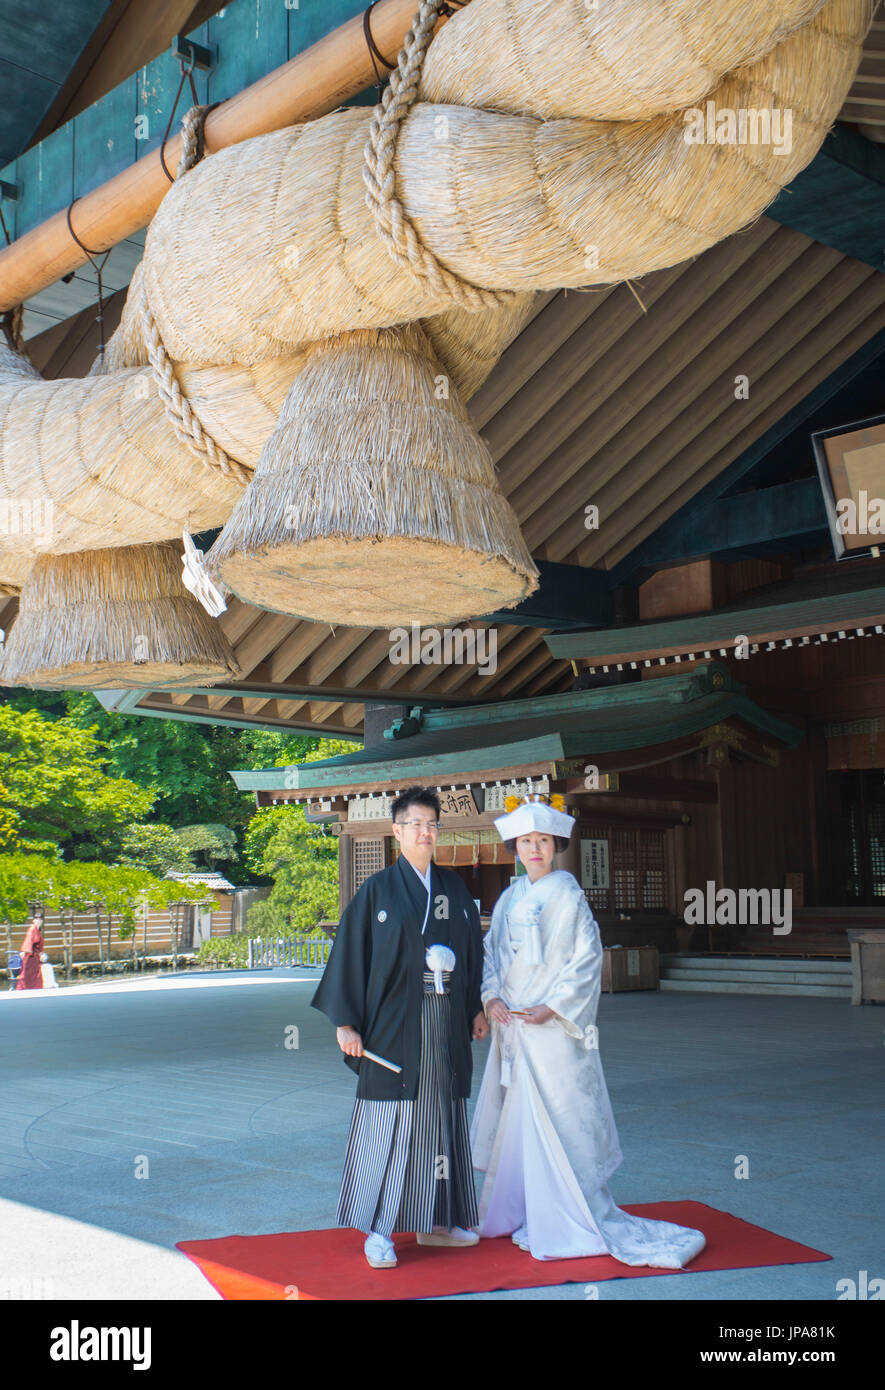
349 1041
480 1027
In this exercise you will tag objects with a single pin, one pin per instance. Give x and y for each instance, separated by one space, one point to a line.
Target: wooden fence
289 950
75 941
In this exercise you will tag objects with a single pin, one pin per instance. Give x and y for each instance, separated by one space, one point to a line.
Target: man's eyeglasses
430 824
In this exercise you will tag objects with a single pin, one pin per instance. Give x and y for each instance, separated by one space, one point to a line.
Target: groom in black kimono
408 1165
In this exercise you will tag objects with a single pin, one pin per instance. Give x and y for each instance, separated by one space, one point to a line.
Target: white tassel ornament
438 959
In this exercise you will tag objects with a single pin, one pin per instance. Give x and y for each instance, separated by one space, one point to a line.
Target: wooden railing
288 950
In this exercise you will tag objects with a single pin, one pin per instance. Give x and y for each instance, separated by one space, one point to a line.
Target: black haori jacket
374 979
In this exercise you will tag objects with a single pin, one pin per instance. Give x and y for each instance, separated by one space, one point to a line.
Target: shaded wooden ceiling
865 103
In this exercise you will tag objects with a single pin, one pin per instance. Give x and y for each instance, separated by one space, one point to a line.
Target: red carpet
331 1264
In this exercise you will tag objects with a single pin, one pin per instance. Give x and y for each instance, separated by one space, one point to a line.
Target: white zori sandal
456 1236
379 1251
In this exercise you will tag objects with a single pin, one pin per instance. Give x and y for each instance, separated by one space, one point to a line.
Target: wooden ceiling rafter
777 408
654 398
586 357
642 367
855 326
629 465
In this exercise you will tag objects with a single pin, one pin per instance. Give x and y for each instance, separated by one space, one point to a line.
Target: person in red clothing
32 975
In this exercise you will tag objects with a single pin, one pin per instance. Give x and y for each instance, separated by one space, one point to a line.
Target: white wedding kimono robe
543 1131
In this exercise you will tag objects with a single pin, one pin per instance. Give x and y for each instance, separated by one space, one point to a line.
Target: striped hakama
408 1164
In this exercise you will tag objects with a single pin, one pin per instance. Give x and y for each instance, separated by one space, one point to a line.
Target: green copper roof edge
687 685
331 771
721 629
688 718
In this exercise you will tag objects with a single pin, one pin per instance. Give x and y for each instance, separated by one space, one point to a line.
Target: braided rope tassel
12 323
392 224
192 134
181 414
178 408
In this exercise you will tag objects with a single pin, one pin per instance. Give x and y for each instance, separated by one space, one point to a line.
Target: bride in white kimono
543 1131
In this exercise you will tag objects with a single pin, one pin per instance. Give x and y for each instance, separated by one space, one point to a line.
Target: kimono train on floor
543 1131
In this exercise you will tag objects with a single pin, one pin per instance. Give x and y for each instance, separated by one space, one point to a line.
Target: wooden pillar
345 871
728 875
570 859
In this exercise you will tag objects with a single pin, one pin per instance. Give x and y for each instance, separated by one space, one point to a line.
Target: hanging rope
374 51
98 270
396 231
193 137
192 122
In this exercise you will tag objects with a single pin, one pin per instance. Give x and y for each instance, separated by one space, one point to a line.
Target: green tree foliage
184 765
25 879
28 879
215 842
302 859
56 790
77 783
155 847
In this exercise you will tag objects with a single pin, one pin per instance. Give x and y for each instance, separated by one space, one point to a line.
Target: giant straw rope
528 134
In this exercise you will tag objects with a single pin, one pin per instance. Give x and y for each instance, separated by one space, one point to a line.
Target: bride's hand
497 1012
539 1014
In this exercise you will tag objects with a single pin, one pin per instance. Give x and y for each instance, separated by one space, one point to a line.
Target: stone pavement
141 1113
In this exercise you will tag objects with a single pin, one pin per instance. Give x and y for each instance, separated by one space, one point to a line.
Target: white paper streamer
196 579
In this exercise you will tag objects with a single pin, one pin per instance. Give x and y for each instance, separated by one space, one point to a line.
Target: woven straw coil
110 619
374 446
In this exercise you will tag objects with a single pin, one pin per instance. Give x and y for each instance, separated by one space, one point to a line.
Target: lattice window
651 851
638 872
876 830
625 870
368 859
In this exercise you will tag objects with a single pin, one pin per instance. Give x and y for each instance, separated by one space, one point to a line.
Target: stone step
765 964
771 977
712 985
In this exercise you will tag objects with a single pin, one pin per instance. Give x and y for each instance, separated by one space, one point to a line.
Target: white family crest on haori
543 1130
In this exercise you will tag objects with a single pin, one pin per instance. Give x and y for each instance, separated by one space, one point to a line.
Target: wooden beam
772 342
263 637
567 596
561 315
353 715
780 513
127 38
238 619
312 83
296 648
334 651
557 399
839 198
781 617
634 426
373 653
